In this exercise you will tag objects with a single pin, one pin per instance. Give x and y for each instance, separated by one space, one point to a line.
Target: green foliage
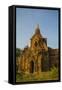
18 52
42 76
19 77
38 76
54 72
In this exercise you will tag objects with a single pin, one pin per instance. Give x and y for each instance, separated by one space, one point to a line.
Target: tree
18 52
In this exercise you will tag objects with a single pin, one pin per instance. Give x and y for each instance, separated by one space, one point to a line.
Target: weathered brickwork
38 57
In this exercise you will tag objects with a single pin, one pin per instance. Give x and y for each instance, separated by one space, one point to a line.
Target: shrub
54 72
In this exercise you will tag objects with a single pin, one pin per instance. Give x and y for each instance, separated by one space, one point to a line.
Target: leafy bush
54 72
18 52
38 76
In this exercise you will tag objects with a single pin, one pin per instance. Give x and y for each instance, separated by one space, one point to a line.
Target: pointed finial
37 30
37 25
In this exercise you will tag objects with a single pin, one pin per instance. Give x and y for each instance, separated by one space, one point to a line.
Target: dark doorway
31 67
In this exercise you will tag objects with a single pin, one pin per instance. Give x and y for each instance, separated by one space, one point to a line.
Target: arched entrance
31 67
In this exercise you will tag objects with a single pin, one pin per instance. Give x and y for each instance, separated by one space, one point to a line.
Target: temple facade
38 56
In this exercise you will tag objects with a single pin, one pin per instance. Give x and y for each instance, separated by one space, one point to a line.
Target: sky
27 20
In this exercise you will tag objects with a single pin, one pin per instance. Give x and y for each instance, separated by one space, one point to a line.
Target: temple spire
37 30
37 25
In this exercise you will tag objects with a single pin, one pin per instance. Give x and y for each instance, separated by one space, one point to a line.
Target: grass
42 76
